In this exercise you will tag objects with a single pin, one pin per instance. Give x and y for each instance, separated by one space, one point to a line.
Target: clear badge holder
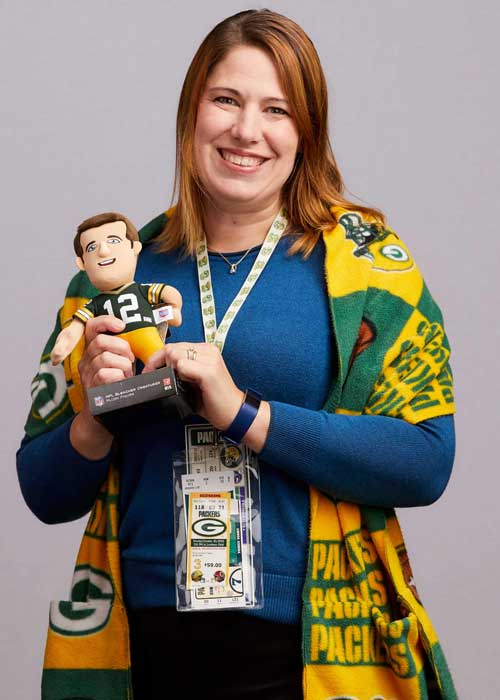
217 524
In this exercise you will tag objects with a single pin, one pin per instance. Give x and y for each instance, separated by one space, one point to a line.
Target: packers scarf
366 635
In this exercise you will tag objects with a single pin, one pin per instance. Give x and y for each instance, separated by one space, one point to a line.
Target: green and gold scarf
366 635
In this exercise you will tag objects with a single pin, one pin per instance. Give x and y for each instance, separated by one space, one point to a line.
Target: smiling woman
309 338
245 145
254 88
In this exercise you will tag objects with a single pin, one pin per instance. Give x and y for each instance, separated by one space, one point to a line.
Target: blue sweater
280 344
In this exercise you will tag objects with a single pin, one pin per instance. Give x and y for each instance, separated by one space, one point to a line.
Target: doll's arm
172 296
66 341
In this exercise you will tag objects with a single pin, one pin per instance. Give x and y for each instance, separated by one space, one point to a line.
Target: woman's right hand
106 359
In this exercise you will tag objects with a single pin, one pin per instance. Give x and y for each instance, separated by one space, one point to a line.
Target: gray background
88 99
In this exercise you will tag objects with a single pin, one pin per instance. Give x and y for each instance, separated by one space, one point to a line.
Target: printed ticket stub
231 591
209 539
208 483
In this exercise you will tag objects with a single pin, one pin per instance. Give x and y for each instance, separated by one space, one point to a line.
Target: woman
252 142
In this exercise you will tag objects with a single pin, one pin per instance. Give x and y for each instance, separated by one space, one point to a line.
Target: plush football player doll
107 246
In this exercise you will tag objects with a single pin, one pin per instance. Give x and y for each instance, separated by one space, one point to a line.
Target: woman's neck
228 232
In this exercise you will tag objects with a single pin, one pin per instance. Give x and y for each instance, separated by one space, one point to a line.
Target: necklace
214 332
233 266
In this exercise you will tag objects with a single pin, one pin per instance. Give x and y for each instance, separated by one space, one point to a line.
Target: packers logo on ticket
208 541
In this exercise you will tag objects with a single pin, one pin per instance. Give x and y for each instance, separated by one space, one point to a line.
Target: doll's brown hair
99 220
315 183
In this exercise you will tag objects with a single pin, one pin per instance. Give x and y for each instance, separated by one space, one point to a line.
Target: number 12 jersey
132 303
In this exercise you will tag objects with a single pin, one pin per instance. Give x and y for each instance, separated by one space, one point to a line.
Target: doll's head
107 246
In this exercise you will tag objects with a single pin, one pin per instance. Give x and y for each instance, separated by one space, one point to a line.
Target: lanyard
214 334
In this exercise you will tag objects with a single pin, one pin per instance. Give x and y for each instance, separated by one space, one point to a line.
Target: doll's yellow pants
143 342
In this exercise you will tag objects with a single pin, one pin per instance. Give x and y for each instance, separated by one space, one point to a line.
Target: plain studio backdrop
88 100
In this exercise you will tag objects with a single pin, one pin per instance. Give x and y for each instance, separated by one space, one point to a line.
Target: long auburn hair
315 183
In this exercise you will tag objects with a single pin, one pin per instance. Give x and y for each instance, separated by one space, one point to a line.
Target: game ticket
208 542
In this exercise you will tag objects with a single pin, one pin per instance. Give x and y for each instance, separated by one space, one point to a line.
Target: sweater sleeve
370 460
57 482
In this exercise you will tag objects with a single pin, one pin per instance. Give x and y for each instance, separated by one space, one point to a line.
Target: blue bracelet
244 418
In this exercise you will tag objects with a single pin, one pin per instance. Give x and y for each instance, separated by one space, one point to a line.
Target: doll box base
141 400
162 383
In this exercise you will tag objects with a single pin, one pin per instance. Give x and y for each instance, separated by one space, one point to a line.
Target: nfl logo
99 401
167 383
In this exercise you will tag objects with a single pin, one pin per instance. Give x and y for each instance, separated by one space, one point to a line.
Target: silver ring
191 353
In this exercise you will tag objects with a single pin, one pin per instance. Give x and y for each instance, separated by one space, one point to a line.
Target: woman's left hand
219 397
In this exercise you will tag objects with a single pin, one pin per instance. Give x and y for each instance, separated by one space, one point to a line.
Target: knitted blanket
366 635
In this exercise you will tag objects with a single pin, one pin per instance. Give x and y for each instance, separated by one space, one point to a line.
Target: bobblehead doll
107 246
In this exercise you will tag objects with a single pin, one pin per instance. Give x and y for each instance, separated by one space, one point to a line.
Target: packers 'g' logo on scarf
48 389
89 609
391 257
394 252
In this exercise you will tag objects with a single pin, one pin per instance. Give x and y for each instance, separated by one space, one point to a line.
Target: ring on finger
191 354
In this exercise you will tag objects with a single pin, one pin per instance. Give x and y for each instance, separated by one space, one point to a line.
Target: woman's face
245 139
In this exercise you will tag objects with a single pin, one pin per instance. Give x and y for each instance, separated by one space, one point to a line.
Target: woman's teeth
245 161
109 261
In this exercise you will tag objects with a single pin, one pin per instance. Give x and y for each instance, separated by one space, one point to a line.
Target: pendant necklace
234 266
217 332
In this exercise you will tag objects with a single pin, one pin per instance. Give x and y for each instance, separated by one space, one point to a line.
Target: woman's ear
137 247
80 264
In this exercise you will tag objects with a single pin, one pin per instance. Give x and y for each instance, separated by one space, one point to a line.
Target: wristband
244 418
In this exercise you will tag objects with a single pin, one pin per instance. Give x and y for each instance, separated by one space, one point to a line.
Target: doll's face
109 257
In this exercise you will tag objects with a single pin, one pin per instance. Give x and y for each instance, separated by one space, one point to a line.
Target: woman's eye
90 248
114 240
277 110
223 99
